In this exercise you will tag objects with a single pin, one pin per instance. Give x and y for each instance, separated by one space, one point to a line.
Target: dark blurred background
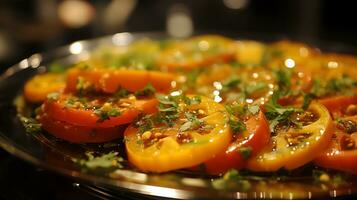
30 26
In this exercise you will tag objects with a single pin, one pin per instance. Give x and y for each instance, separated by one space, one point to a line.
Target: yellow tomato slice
197 52
280 154
38 87
250 52
168 148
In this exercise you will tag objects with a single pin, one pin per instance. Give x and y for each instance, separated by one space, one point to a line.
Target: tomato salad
208 101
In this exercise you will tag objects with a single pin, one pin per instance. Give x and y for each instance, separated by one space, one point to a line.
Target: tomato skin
291 158
259 135
334 158
338 103
79 134
82 117
109 81
39 86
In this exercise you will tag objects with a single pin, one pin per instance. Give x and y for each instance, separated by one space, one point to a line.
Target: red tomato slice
79 134
336 158
338 103
81 116
258 137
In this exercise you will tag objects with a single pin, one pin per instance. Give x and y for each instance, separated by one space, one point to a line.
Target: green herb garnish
110 160
31 125
245 152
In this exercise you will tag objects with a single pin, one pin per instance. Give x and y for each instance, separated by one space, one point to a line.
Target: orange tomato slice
39 86
109 80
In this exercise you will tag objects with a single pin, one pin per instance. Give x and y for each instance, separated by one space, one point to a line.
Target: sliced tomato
250 52
79 134
110 80
162 148
197 52
38 87
258 136
338 103
281 153
71 109
337 158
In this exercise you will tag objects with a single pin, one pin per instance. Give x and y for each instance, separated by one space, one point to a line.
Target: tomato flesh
168 153
109 80
279 154
79 134
59 110
38 87
259 135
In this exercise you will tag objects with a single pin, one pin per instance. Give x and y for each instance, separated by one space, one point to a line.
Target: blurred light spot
179 22
249 100
289 63
162 191
176 93
129 175
217 85
117 13
194 182
255 75
24 64
76 48
235 4
332 64
35 60
216 92
203 45
122 39
75 13
217 99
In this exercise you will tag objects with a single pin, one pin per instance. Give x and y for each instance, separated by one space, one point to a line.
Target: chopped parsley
348 126
192 122
148 90
253 109
31 125
343 85
236 125
121 93
168 113
278 114
53 96
283 77
104 114
245 152
251 88
109 160
231 83
236 109
231 180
